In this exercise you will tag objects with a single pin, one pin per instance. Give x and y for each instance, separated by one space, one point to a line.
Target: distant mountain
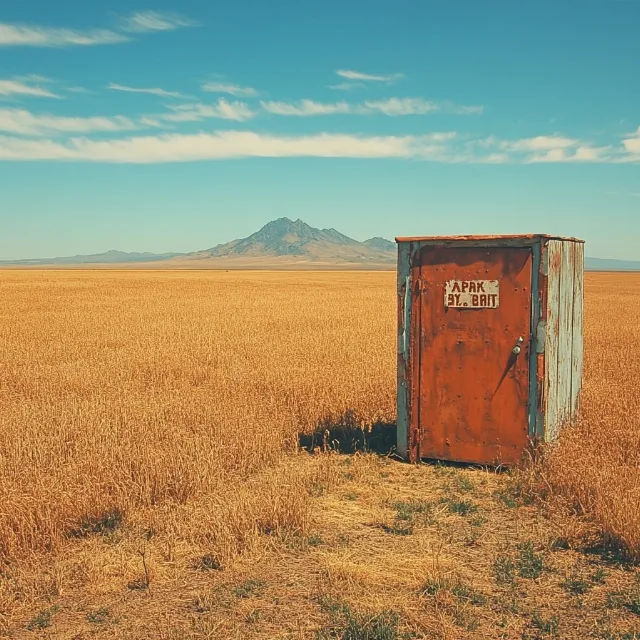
605 264
282 243
109 257
381 244
297 240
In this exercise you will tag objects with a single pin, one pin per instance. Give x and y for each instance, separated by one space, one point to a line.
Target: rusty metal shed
489 344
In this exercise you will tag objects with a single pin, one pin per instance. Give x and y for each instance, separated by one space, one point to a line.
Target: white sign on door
472 294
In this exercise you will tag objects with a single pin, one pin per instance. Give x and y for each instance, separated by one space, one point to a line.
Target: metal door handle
517 349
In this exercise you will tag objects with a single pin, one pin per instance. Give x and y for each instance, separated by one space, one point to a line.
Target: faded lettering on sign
473 294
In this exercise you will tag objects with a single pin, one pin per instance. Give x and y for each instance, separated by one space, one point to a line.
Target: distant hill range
282 243
606 264
109 257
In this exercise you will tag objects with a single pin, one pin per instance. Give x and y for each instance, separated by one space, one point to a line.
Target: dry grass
148 439
122 391
596 464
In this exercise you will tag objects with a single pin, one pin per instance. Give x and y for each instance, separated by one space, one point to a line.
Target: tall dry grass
596 464
181 394
128 391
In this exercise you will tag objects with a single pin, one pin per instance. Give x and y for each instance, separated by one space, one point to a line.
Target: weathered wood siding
577 353
563 341
552 338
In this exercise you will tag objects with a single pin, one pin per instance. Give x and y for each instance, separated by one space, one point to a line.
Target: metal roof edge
479 238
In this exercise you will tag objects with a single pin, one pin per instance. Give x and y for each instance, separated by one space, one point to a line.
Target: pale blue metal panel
565 335
578 306
552 331
404 323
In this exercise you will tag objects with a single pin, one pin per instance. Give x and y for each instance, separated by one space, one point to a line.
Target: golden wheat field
134 390
149 428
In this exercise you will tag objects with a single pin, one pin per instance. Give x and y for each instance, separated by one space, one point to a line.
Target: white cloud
35 36
306 108
27 35
152 91
402 106
236 110
20 121
151 121
540 143
346 86
632 142
582 153
367 77
388 107
144 21
445 147
551 149
24 88
225 144
231 89
471 110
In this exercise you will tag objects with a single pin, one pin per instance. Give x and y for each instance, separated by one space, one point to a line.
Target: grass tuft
349 624
248 588
42 620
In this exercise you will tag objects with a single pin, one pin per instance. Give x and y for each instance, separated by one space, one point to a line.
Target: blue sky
177 126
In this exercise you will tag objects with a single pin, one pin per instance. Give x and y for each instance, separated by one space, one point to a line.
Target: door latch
517 349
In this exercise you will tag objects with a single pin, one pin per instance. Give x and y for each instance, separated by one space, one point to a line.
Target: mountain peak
295 238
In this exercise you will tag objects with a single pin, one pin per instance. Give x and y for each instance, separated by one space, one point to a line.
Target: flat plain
152 484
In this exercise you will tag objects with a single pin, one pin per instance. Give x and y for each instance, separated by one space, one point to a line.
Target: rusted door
474 338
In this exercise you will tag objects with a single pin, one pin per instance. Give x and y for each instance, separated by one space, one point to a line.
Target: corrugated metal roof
471 238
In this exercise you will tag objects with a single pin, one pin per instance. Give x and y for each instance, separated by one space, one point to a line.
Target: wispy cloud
346 86
631 142
231 89
580 153
444 147
367 77
30 136
15 35
21 121
401 106
550 149
306 108
539 143
144 21
26 123
222 109
388 107
468 110
222 145
20 87
152 91
29 35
